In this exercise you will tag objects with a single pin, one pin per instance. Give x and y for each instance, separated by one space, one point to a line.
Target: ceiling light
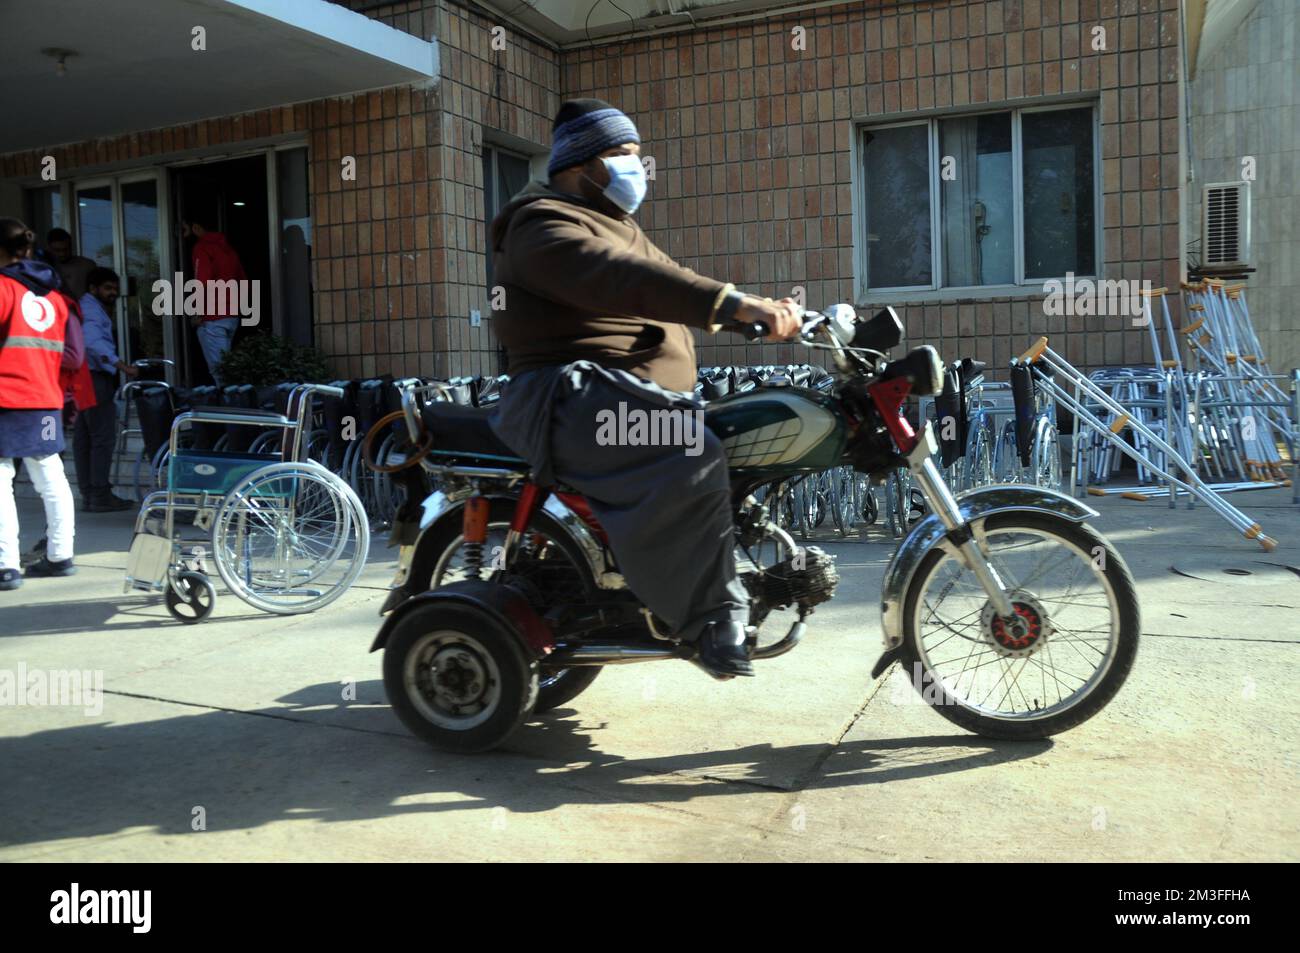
60 57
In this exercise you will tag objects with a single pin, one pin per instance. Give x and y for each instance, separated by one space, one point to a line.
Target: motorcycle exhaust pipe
591 653
785 645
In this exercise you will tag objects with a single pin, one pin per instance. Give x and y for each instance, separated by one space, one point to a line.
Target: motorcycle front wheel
1058 663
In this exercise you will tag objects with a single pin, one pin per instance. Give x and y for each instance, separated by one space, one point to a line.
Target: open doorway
232 196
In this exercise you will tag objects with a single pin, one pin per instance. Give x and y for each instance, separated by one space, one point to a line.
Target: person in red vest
33 329
74 375
214 261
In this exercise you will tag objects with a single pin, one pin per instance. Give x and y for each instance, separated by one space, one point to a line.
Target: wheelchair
284 533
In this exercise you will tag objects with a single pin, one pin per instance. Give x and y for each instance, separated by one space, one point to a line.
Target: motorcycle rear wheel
457 678
1038 542
556 686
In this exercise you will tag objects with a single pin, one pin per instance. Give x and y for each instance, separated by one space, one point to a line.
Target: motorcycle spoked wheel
1025 547
457 678
562 580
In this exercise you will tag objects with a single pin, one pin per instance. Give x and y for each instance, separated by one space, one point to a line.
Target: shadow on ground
101 618
248 769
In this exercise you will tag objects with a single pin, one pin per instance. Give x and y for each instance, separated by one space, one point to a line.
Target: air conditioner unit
1225 225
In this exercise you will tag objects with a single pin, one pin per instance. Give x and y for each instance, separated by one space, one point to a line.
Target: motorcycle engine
806 579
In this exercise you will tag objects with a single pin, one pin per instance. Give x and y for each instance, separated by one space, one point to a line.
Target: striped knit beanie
585 128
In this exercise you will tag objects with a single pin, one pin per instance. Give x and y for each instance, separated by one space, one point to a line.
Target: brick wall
397 256
375 256
423 271
751 139
514 91
374 267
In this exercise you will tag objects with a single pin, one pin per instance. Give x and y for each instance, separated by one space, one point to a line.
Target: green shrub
260 359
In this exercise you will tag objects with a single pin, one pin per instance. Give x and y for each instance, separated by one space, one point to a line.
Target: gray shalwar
667 514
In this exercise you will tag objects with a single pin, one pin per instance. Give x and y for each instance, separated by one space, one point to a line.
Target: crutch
1232 348
1122 418
1259 456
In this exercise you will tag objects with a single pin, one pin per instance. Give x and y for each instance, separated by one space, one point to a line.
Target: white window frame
936 290
496 149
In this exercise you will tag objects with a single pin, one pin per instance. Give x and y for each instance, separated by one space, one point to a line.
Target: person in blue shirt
96 428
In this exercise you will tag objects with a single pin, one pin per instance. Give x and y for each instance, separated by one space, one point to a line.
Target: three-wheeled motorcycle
1010 614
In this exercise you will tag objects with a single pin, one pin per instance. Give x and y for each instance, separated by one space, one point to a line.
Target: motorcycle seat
463 430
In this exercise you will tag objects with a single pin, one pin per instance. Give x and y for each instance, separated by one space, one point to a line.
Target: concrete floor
243 721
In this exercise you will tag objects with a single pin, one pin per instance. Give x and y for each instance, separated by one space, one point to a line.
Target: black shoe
10 579
722 650
45 567
108 503
34 554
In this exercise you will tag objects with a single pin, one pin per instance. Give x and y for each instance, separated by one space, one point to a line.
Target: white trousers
60 520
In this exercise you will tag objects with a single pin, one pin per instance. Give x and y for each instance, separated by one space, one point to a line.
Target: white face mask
627 183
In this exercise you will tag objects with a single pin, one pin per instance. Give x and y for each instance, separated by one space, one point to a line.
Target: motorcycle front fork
944 505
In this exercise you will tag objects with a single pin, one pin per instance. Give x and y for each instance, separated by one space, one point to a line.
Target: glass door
95 235
119 227
143 331
293 201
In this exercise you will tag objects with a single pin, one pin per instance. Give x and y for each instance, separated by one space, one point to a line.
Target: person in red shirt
33 329
214 260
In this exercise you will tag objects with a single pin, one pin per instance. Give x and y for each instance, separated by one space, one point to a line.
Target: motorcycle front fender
975 506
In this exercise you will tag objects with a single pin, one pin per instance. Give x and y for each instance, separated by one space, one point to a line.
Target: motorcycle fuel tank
778 428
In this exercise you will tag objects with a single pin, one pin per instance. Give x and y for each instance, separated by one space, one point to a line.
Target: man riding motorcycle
596 320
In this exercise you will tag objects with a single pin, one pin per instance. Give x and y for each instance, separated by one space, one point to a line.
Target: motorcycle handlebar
757 330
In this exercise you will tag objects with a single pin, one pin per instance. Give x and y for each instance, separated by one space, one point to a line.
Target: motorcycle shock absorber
474 525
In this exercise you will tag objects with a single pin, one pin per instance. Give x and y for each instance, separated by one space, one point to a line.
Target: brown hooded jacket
582 285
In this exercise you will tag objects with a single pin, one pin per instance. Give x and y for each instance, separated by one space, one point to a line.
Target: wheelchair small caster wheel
190 597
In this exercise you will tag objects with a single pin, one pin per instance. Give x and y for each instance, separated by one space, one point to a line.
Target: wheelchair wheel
1006 456
801 508
1046 470
865 503
898 502
781 506
979 454
151 474
385 508
190 597
318 447
265 442
843 503
290 538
